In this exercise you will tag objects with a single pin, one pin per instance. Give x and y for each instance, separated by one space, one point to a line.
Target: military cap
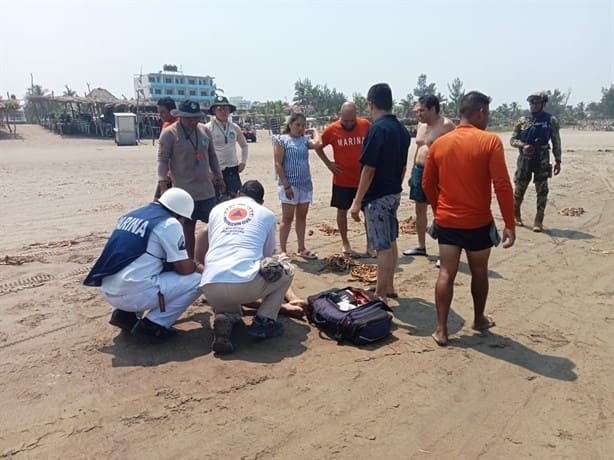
538 95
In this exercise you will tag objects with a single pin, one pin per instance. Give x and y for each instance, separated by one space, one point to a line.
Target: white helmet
179 201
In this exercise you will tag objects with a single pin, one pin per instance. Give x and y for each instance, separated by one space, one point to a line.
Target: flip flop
490 322
415 252
307 254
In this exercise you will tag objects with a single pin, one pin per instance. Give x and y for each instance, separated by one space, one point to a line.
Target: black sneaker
149 331
222 328
265 328
124 320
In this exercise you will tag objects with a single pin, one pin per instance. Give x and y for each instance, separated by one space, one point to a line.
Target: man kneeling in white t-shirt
239 268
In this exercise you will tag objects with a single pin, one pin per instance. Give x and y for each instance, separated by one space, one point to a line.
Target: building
240 102
173 83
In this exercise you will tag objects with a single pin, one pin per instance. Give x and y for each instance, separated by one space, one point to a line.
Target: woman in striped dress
291 150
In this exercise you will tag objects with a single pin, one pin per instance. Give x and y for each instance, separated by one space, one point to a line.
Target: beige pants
228 297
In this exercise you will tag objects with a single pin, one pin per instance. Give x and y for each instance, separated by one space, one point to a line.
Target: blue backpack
351 314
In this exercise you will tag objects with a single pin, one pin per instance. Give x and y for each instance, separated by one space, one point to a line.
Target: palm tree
31 107
69 92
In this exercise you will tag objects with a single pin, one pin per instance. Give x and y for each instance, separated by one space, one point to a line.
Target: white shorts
301 195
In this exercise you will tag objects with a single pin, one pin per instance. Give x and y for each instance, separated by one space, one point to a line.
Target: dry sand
540 385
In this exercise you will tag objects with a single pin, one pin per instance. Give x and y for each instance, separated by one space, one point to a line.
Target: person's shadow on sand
196 341
507 349
419 318
463 267
291 343
568 234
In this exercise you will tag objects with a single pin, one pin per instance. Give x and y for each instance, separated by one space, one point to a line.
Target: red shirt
459 170
166 124
347 146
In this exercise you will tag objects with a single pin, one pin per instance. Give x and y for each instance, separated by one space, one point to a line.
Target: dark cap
253 189
221 101
187 108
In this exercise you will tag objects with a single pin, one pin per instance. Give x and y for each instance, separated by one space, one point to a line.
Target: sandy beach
539 385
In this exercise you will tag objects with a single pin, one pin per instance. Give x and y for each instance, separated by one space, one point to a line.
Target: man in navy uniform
144 270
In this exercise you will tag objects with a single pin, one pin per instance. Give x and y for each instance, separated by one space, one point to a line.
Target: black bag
350 314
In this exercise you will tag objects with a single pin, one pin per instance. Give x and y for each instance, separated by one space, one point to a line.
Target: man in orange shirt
345 136
459 171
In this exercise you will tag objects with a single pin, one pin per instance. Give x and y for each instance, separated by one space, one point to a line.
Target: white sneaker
438 263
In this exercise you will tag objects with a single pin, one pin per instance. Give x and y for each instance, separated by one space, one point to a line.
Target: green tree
304 93
361 104
423 88
69 92
557 103
457 92
31 109
406 104
606 105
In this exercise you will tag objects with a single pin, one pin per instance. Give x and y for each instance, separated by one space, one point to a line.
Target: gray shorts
382 222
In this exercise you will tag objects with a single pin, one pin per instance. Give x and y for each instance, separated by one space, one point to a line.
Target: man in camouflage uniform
531 137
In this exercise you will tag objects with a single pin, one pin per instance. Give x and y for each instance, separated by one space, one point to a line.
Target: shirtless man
432 125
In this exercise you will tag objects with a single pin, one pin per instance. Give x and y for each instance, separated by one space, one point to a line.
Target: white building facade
173 83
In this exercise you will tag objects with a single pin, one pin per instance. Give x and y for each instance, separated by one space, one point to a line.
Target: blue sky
258 49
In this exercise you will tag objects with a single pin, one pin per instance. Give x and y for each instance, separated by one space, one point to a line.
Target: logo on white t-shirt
181 244
238 214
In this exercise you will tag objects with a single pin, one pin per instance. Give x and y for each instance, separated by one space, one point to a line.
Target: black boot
124 320
517 214
149 331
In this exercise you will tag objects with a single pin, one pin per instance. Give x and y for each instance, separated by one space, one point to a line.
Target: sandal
415 252
307 254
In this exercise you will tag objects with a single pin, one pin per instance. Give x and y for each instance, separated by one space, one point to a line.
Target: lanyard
193 144
224 131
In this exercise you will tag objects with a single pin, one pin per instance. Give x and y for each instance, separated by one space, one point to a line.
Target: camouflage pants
535 166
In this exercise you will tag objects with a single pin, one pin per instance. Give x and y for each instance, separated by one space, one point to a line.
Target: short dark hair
168 103
380 95
253 189
429 101
472 102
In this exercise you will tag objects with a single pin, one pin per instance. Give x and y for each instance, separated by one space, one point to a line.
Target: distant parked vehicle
249 133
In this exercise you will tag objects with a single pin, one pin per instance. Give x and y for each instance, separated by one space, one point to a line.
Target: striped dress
296 160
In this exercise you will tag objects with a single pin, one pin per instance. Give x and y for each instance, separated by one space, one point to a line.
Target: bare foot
295 308
486 323
440 339
392 294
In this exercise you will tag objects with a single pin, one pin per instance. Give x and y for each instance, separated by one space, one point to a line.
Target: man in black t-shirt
383 160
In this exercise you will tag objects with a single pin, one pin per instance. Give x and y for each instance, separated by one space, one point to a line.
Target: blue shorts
232 180
202 208
382 222
416 193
